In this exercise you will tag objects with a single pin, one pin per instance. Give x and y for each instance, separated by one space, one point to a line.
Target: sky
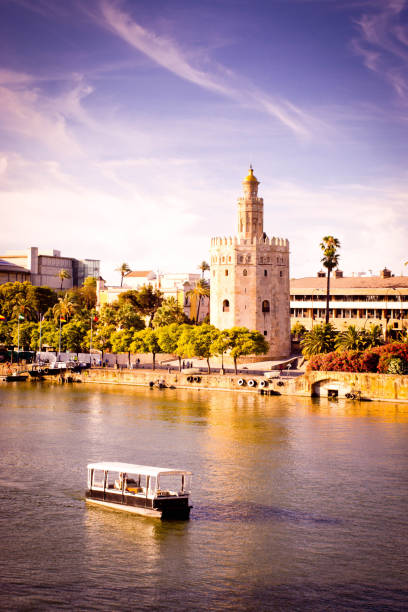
127 127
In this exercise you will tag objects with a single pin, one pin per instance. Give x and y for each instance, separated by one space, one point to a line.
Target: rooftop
350 282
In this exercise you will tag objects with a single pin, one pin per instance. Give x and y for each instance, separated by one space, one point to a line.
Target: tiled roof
6 266
350 282
142 273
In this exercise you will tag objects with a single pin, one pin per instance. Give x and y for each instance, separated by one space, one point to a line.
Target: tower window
223 259
226 272
225 306
229 258
265 306
281 273
265 272
248 258
265 333
241 259
245 273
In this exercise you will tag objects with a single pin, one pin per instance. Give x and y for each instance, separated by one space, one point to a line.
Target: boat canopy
131 468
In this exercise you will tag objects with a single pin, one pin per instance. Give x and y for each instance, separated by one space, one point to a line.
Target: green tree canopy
26 330
320 339
351 339
200 342
146 341
246 342
169 339
221 345
169 312
64 308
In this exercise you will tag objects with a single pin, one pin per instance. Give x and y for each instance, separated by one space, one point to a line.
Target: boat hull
125 508
165 508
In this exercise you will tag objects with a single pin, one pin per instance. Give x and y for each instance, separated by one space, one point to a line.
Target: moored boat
140 489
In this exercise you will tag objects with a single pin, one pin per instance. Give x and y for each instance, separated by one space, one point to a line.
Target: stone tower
250 276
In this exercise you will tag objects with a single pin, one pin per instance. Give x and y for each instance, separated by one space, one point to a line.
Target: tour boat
141 489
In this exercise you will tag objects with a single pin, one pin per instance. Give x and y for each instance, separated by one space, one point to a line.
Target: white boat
141 489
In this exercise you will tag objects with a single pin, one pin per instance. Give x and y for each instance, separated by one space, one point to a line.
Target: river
299 504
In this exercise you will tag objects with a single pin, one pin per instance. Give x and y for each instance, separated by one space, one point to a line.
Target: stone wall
382 387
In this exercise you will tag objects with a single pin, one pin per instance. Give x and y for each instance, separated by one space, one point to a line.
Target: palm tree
63 274
330 260
204 267
374 336
202 289
351 339
23 306
63 308
123 269
320 339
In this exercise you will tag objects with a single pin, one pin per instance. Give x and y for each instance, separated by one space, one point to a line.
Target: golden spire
250 178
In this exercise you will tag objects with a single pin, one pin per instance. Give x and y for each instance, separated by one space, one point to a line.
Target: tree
26 330
320 339
64 308
23 306
42 298
5 333
351 339
149 300
49 335
169 339
221 345
123 269
374 336
74 336
204 267
146 341
128 318
200 291
246 342
121 341
63 274
200 342
330 260
169 312
298 330
102 337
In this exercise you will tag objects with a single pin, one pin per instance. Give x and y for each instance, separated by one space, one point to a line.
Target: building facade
177 285
359 301
250 276
43 267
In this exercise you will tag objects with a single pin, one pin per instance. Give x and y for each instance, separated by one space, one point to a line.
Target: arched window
241 259
265 272
226 272
245 273
265 306
248 259
223 259
225 306
229 258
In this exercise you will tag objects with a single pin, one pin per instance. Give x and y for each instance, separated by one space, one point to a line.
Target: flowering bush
390 358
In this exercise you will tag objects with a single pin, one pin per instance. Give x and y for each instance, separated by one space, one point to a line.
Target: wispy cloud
220 80
382 42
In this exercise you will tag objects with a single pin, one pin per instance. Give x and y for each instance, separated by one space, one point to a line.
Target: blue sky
126 127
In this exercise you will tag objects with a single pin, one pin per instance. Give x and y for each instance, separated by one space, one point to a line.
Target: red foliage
371 360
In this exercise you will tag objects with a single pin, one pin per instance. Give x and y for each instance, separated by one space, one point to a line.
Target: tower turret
250 209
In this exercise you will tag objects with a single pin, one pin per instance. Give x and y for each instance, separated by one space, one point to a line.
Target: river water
298 504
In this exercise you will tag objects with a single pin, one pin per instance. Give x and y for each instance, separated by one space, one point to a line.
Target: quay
349 385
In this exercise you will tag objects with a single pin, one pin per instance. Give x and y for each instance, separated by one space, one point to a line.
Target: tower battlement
218 241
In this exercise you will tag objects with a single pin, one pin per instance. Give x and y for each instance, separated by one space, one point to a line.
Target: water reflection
298 504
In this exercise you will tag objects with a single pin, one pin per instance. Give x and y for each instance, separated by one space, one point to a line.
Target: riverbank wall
381 387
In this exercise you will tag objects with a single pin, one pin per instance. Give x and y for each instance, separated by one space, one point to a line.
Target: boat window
98 478
173 484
